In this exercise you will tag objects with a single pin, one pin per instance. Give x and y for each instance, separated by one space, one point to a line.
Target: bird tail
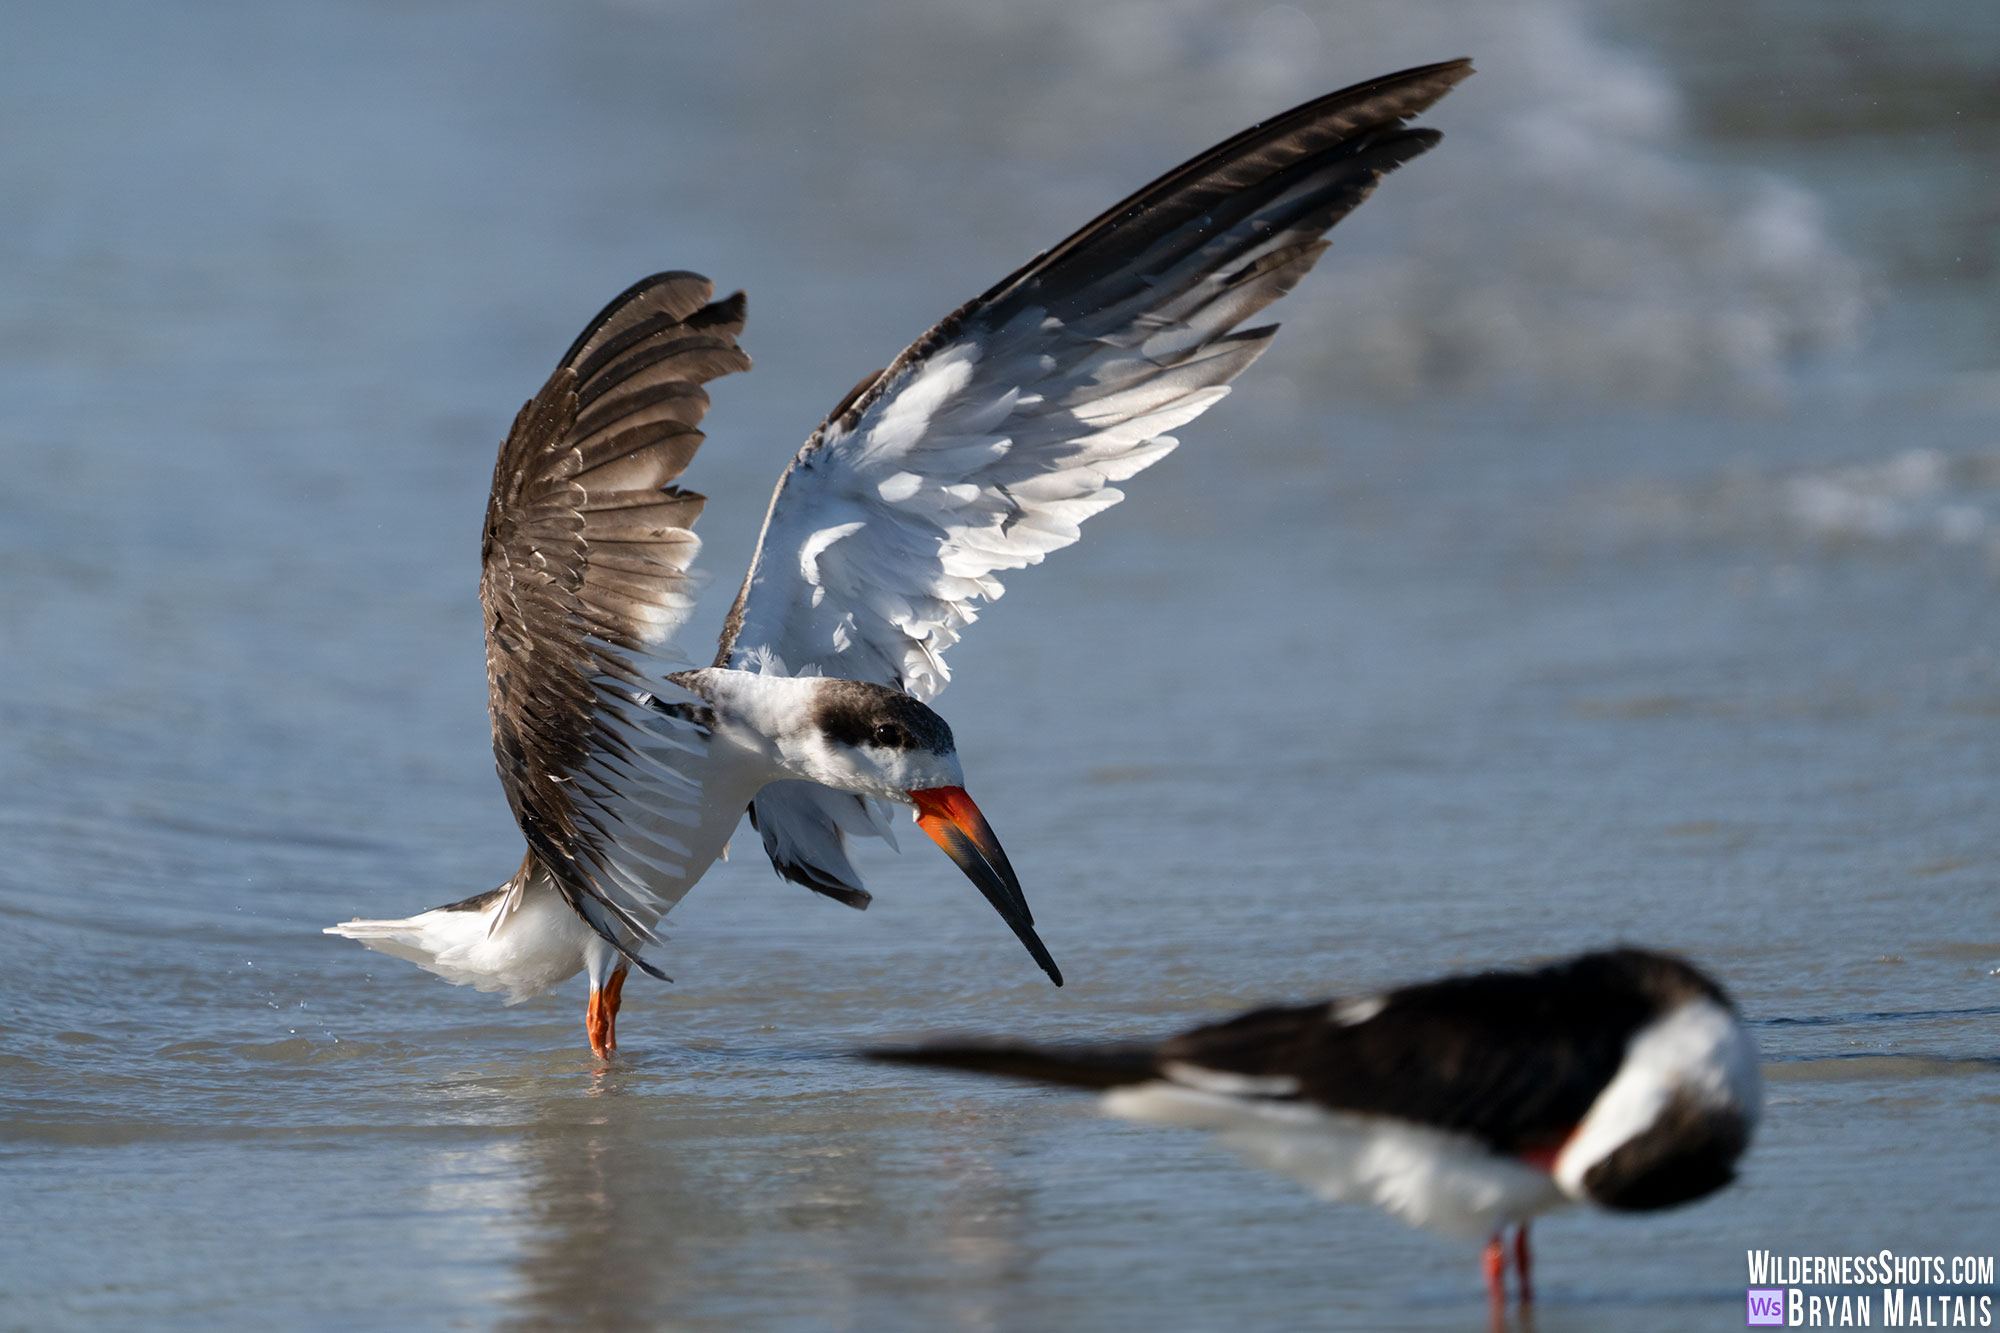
446 941
404 938
1111 1066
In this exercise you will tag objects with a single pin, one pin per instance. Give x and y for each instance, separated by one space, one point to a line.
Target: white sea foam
1566 241
1908 499
1916 494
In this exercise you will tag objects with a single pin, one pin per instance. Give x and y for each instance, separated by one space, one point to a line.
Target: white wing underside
988 457
805 828
986 461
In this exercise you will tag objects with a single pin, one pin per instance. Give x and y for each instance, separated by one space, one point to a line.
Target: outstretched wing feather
586 561
991 439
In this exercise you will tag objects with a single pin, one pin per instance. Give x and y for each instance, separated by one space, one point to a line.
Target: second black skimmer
1467 1105
978 450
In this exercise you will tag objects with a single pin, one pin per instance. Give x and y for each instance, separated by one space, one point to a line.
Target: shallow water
1608 551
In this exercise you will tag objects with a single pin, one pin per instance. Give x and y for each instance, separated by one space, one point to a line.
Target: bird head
880 742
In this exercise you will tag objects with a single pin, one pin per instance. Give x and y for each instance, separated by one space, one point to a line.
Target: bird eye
887 734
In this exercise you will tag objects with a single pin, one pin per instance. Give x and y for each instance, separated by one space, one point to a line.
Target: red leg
1524 1259
1493 1261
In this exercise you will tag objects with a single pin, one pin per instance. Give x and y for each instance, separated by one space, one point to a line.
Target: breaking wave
1566 241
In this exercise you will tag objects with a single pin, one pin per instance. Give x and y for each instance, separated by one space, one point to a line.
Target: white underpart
1699 1050
537 944
1428 1177
1353 1013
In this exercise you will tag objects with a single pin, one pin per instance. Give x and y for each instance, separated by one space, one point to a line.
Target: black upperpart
1512 1058
857 713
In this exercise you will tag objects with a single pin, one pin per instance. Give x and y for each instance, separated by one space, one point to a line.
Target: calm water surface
1608 551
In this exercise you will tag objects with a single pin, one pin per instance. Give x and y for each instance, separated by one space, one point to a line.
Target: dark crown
856 713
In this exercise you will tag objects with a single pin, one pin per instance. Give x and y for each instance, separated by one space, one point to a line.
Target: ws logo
1767 1307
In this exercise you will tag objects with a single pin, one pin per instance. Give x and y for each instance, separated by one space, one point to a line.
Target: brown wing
586 556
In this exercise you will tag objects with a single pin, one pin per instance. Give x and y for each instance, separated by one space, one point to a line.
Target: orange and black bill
955 824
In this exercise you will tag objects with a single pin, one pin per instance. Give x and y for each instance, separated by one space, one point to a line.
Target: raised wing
586 557
991 438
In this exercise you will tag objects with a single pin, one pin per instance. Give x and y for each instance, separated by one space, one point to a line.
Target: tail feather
397 937
418 941
456 943
521 938
1110 1066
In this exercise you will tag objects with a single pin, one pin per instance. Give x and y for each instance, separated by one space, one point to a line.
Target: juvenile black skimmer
978 450
1622 1078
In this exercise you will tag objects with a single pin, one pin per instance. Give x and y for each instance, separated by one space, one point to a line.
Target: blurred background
1607 550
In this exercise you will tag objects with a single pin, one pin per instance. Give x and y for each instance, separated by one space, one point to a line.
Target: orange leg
1493 1262
601 1018
614 995
597 1025
1523 1260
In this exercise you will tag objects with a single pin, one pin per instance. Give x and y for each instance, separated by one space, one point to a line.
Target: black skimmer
978 450
1466 1105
